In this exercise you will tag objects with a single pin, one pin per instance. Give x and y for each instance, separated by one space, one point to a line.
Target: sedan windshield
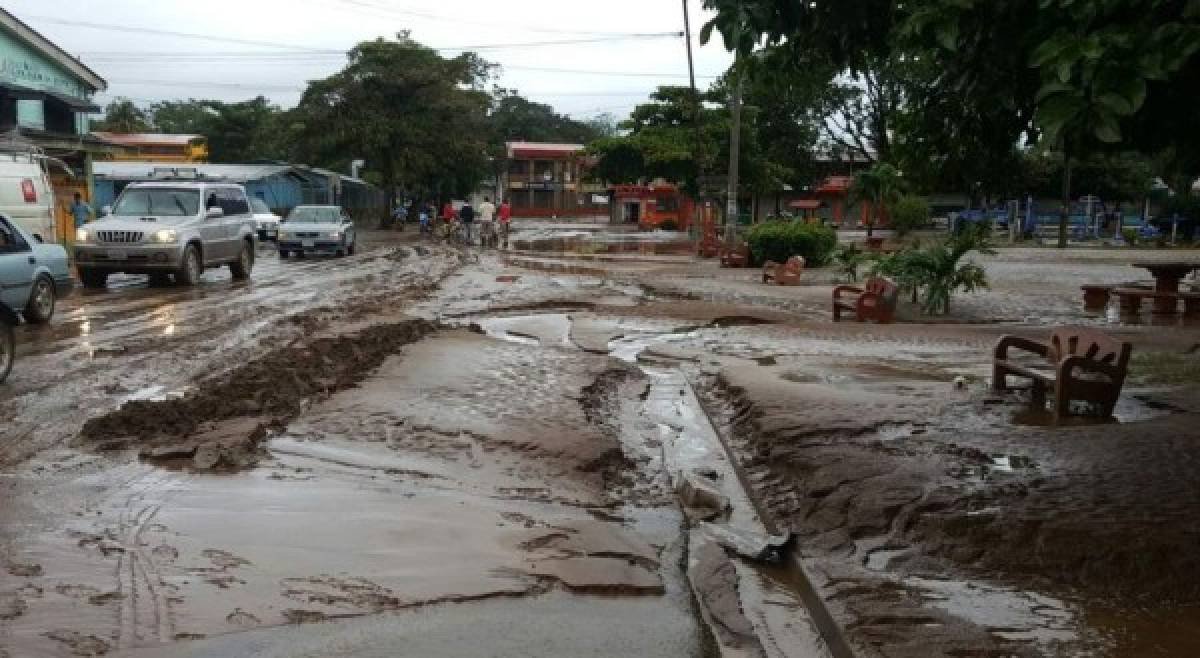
315 215
158 202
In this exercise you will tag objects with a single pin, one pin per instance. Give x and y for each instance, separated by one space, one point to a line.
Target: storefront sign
21 66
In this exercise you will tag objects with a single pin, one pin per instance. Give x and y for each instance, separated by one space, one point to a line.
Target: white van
26 196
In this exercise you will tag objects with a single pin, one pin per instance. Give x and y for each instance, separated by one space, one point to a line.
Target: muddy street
421 450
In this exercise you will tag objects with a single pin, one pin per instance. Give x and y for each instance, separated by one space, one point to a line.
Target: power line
391 11
310 50
170 33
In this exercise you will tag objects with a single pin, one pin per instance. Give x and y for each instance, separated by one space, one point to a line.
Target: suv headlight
82 235
166 235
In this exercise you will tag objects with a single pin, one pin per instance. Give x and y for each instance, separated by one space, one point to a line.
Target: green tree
909 213
1078 76
515 118
244 131
881 186
417 118
661 136
123 116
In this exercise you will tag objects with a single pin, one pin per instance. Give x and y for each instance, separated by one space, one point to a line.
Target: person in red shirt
505 217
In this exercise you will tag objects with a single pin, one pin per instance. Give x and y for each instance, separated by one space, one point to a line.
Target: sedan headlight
166 235
336 235
82 235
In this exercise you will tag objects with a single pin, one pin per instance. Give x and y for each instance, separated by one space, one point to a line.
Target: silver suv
169 228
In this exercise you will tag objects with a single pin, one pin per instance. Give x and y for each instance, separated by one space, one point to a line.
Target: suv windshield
315 215
259 207
157 201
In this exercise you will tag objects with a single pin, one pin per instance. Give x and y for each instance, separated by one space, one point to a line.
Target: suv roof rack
180 174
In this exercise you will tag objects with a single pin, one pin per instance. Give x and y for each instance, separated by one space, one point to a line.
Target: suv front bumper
128 258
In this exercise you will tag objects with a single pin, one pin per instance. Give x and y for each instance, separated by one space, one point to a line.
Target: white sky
134 65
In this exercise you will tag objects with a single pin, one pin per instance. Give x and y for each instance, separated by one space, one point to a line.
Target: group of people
493 222
459 223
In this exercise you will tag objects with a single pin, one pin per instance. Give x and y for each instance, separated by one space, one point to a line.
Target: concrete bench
1165 303
875 301
784 274
1082 365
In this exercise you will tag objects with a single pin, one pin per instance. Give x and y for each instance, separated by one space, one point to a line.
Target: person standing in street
487 229
467 215
80 211
505 220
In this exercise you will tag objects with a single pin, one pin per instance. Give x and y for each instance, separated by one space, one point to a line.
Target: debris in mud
700 495
714 580
266 391
750 545
227 446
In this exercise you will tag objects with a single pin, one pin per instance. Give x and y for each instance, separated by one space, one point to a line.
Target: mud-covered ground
421 451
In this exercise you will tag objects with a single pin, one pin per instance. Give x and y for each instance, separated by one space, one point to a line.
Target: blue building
281 186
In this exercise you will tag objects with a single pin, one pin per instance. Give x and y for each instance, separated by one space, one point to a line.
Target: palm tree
122 116
881 186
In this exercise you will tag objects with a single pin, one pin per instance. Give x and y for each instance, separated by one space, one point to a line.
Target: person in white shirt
487 227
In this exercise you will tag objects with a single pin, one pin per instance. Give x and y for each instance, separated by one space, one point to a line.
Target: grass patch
1158 367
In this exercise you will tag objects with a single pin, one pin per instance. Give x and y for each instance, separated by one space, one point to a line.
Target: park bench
737 257
1130 299
876 300
785 274
1079 364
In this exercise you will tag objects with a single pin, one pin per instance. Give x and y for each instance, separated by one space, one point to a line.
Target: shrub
1131 236
935 272
909 214
780 240
849 257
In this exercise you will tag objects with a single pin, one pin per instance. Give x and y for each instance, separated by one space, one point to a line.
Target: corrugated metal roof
148 139
236 173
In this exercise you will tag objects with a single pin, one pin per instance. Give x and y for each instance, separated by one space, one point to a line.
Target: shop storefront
45 99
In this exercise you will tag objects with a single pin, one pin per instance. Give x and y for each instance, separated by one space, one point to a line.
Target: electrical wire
377 9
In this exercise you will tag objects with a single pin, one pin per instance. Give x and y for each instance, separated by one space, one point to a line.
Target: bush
849 258
780 240
909 214
1131 236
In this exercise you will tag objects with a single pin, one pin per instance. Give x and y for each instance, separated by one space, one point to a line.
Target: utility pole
697 146
735 138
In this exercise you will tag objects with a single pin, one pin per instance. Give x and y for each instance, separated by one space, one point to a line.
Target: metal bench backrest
1089 344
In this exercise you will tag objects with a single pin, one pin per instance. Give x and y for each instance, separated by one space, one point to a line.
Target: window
161 202
232 201
543 170
10 240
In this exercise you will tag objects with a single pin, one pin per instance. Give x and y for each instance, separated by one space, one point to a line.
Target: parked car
169 228
26 196
33 275
8 340
265 221
317 229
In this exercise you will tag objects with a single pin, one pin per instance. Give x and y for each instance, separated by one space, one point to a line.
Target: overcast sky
148 67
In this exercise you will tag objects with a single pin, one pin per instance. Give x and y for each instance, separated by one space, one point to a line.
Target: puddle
1008 613
580 242
544 330
1129 409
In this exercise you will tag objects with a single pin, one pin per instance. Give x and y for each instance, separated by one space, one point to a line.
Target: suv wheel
41 301
93 278
190 269
240 268
8 349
